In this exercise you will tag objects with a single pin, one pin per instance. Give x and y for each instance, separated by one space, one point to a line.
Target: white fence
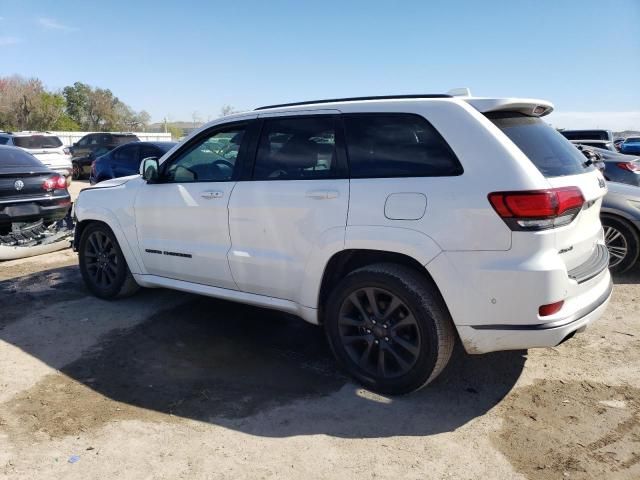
69 138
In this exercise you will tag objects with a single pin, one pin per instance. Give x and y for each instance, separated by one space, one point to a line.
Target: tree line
25 104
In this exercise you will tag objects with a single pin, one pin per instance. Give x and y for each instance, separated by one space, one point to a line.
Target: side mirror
75 144
149 169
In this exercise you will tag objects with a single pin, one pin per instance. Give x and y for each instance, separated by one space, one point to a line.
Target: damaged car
34 206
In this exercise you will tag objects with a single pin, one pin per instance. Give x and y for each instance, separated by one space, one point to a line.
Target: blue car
631 146
125 160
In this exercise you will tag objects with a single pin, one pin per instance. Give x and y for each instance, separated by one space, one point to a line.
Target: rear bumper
490 338
49 210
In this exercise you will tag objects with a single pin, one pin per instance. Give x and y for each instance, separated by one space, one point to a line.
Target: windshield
552 153
37 141
632 140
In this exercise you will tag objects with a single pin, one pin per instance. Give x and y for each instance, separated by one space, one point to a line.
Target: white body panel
268 243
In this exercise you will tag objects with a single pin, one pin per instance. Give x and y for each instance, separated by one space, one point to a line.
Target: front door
182 220
298 194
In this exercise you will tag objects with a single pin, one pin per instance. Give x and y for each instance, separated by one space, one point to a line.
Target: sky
184 59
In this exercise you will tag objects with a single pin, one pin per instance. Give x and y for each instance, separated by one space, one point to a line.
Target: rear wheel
623 243
76 171
102 264
389 328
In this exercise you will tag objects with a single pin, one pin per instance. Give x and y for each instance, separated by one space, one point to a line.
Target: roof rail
355 99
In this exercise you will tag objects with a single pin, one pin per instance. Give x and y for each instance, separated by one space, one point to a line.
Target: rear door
298 192
563 165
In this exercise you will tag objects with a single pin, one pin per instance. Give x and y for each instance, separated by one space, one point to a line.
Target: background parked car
620 216
593 138
617 166
33 199
125 159
93 145
631 146
45 147
618 142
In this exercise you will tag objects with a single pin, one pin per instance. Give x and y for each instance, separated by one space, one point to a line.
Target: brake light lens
629 166
546 310
55 183
538 209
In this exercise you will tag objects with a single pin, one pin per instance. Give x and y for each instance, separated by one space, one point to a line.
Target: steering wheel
224 162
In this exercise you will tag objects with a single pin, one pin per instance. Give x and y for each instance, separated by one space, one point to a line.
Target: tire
622 241
76 171
102 264
417 336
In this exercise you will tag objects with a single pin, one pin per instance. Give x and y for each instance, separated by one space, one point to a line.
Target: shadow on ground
260 372
632 277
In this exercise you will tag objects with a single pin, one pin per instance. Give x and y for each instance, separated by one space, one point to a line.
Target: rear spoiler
526 106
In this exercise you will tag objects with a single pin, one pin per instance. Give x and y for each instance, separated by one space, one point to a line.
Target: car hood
114 182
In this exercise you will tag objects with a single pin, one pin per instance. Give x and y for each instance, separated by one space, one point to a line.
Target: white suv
399 223
45 147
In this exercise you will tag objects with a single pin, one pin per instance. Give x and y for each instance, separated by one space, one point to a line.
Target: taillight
538 209
629 166
54 183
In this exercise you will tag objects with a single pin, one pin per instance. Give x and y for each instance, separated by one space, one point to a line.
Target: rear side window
4 140
297 149
553 154
127 156
397 145
37 141
121 139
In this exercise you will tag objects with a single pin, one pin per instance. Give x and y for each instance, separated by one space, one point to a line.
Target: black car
593 138
125 159
618 167
32 197
93 145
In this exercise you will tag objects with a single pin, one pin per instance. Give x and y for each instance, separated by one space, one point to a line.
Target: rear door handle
212 195
322 194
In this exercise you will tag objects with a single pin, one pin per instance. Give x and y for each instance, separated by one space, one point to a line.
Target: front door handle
212 195
322 194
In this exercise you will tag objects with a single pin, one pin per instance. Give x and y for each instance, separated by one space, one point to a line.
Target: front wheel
622 242
102 264
389 328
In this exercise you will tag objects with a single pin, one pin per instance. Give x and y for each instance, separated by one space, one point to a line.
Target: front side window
297 149
397 145
211 158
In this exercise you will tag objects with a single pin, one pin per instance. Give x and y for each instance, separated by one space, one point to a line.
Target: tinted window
121 139
4 140
210 159
127 156
586 134
397 146
83 141
14 157
552 153
297 148
37 141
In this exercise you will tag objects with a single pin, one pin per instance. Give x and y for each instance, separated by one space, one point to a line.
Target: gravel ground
170 385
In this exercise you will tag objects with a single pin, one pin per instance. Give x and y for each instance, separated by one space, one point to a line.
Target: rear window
586 134
37 141
122 139
14 157
553 154
4 140
397 145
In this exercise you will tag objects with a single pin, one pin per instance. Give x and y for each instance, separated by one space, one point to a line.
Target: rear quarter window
550 152
397 145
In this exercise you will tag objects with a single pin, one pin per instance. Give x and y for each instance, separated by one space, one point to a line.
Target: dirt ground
170 385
